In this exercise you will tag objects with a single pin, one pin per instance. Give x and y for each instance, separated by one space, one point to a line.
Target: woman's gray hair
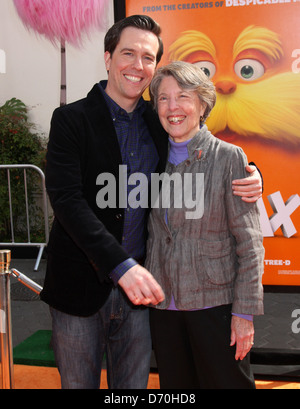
189 77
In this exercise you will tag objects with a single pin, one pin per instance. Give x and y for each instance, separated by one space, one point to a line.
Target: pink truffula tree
63 21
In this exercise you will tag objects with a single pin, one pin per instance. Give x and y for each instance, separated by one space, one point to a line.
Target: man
95 284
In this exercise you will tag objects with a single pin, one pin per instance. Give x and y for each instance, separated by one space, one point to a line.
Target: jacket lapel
100 118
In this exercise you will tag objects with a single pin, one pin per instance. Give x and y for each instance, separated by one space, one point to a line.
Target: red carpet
32 377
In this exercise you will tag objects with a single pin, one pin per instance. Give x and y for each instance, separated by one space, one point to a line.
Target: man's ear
107 60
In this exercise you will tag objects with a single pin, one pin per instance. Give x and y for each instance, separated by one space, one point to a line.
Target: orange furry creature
255 99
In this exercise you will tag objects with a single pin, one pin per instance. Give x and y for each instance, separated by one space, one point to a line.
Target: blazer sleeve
64 182
244 224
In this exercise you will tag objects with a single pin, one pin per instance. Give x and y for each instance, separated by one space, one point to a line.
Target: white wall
33 66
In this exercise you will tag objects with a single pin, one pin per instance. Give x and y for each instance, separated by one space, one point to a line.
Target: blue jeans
120 330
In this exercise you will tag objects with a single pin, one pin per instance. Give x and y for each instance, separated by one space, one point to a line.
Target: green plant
19 144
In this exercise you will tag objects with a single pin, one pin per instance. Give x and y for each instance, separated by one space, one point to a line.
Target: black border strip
119 9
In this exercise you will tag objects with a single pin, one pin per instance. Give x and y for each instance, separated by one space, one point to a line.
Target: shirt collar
200 142
114 108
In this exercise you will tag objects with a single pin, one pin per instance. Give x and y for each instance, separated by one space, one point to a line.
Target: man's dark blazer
84 245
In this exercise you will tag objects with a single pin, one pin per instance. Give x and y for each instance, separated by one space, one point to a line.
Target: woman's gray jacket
213 254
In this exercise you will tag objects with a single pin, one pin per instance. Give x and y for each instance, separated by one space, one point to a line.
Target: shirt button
119 216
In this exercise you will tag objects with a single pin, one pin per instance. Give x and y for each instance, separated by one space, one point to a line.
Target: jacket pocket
219 260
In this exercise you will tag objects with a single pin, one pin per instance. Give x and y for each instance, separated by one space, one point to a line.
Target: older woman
209 262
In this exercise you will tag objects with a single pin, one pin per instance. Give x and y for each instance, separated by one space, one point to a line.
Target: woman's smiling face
179 110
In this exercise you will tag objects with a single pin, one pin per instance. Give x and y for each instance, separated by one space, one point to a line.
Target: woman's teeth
176 119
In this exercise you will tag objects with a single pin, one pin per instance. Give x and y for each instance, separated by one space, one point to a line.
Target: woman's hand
242 335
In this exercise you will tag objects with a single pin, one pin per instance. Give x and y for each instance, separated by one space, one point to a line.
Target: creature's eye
207 67
249 70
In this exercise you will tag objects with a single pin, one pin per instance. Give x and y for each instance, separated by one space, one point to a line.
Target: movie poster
251 51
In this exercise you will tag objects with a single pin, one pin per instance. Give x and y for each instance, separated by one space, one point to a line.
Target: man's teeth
133 79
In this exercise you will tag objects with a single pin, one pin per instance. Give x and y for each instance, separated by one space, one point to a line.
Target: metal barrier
5 322
7 373
45 211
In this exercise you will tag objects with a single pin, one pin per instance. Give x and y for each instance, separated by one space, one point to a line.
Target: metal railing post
5 322
12 242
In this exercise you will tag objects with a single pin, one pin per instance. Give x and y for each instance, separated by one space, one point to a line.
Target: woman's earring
201 120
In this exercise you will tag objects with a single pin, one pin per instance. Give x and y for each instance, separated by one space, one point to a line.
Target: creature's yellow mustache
269 109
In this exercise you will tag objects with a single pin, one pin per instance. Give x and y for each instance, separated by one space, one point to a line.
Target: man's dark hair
141 22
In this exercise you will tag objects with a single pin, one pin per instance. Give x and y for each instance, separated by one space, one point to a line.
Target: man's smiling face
131 66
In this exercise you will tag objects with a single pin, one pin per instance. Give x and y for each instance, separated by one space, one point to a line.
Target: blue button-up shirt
139 154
